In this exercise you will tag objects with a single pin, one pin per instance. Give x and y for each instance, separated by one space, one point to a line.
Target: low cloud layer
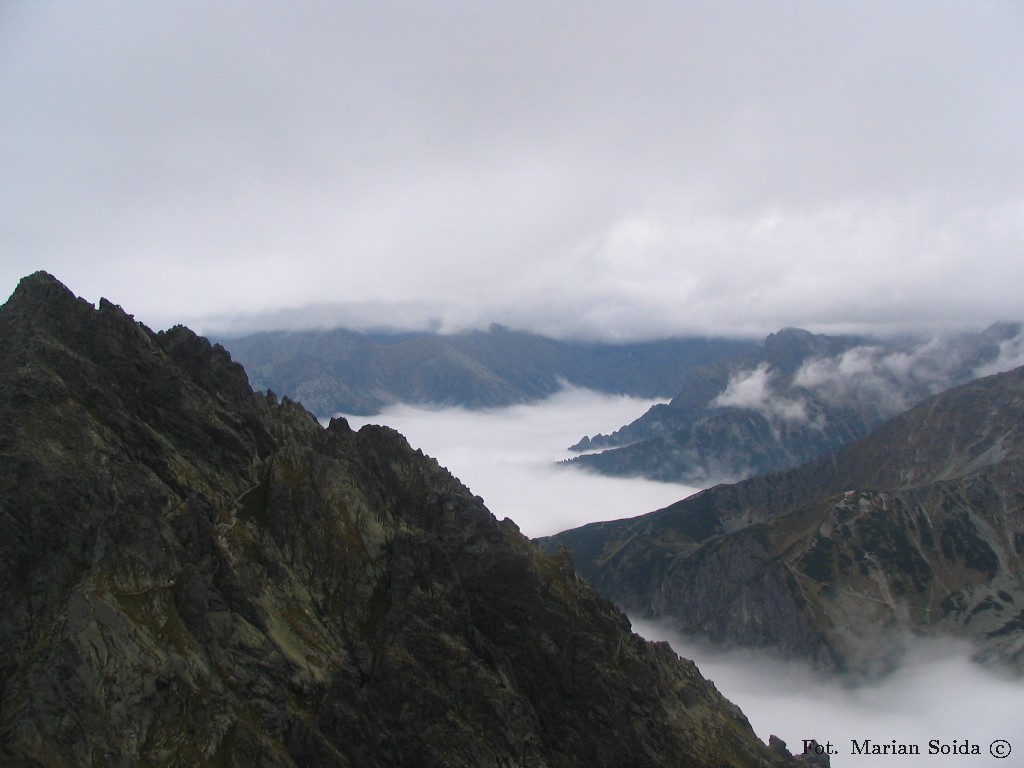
587 169
873 379
873 375
505 456
508 457
752 390
1011 355
937 693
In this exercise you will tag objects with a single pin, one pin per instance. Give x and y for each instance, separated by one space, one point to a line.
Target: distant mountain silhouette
344 371
916 529
795 398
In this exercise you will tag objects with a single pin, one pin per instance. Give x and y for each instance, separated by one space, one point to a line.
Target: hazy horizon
578 169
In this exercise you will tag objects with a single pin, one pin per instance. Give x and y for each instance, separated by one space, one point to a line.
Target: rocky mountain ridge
344 371
197 574
798 397
916 529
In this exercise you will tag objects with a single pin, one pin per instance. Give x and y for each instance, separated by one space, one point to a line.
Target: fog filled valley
701 319
937 693
228 579
509 456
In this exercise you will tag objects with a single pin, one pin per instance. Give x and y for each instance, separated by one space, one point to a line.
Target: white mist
506 456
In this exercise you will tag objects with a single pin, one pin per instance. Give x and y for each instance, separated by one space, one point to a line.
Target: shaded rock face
797 398
198 575
918 528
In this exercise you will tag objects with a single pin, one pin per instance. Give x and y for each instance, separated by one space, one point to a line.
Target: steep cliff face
797 398
198 575
918 528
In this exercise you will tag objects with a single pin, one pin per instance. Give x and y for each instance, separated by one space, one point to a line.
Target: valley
248 505
780 696
512 385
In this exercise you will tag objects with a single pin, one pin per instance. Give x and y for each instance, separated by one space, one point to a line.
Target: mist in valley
508 456
937 693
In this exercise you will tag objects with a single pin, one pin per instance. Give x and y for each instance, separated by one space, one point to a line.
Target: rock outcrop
198 575
916 529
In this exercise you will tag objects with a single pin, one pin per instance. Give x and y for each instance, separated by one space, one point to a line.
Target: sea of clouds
508 457
937 694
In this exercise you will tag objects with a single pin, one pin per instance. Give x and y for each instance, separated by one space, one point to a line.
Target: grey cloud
752 389
874 381
1011 355
889 380
872 376
577 169
508 455
915 704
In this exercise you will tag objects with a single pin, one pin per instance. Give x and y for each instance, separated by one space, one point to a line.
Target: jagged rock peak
790 346
42 293
789 332
196 574
42 284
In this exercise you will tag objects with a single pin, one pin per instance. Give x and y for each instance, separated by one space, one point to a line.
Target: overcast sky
607 169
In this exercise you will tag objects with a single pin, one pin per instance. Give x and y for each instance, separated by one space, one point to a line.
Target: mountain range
794 398
197 574
916 529
344 371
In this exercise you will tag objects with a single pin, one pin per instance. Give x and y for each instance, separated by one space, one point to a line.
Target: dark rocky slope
918 528
344 371
795 399
197 575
